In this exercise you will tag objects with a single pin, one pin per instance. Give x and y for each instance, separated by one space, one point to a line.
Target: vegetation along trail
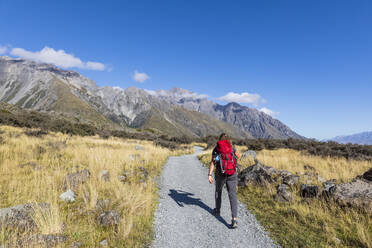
184 216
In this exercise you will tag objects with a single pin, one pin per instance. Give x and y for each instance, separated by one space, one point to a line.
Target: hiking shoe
216 212
234 224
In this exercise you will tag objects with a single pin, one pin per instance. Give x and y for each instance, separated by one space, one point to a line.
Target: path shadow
185 198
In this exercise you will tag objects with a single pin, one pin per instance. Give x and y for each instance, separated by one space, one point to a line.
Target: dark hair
223 136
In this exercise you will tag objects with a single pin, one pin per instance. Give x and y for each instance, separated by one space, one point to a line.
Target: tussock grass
48 159
338 168
310 222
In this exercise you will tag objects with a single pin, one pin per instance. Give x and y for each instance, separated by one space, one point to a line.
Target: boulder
284 173
255 174
291 180
368 175
249 153
109 218
68 196
329 188
309 191
357 193
74 180
272 171
20 216
42 240
105 175
283 194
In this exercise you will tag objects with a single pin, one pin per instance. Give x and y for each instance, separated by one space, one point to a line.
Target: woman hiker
224 159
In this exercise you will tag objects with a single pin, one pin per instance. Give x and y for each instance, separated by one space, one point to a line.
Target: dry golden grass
56 155
310 223
340 169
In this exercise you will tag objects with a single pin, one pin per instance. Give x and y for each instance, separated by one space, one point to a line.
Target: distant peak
179 90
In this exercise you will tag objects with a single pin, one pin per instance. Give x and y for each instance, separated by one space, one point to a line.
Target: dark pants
231 183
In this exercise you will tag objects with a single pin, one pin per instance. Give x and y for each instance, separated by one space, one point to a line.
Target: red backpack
227 156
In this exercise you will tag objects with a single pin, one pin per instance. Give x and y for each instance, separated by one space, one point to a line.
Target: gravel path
184 215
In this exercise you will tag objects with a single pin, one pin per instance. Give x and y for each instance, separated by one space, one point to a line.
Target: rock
309 168
105 175
102 205
309 191
20 216
138 147
43 240
368 175
329 188
283 194
76 245
291 180
122 178
109 218
68 196
271 171
74 180
357 193
250 153
125 175
144 174
103 242
255 174
284 173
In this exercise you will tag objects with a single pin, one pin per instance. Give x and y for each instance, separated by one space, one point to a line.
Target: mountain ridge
44 87
363 138
258 123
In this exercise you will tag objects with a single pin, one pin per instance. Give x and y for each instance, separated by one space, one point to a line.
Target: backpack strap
236 160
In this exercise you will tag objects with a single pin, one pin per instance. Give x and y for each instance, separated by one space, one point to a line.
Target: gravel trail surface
184 216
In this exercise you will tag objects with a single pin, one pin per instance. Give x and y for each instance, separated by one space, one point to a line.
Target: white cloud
57 57
269 112
3 49
140 76
244 97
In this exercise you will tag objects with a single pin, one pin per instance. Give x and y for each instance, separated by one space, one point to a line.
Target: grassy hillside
179 122
69 104
306 222
33 169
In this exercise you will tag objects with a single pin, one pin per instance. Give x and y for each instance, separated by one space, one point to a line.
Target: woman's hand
210 178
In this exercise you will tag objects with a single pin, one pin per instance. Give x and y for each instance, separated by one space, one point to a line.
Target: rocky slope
253 121
44 87
364 138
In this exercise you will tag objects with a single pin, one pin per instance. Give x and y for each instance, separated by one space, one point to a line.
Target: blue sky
310 60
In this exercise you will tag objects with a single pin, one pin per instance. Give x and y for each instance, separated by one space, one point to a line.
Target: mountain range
46 88
364 138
